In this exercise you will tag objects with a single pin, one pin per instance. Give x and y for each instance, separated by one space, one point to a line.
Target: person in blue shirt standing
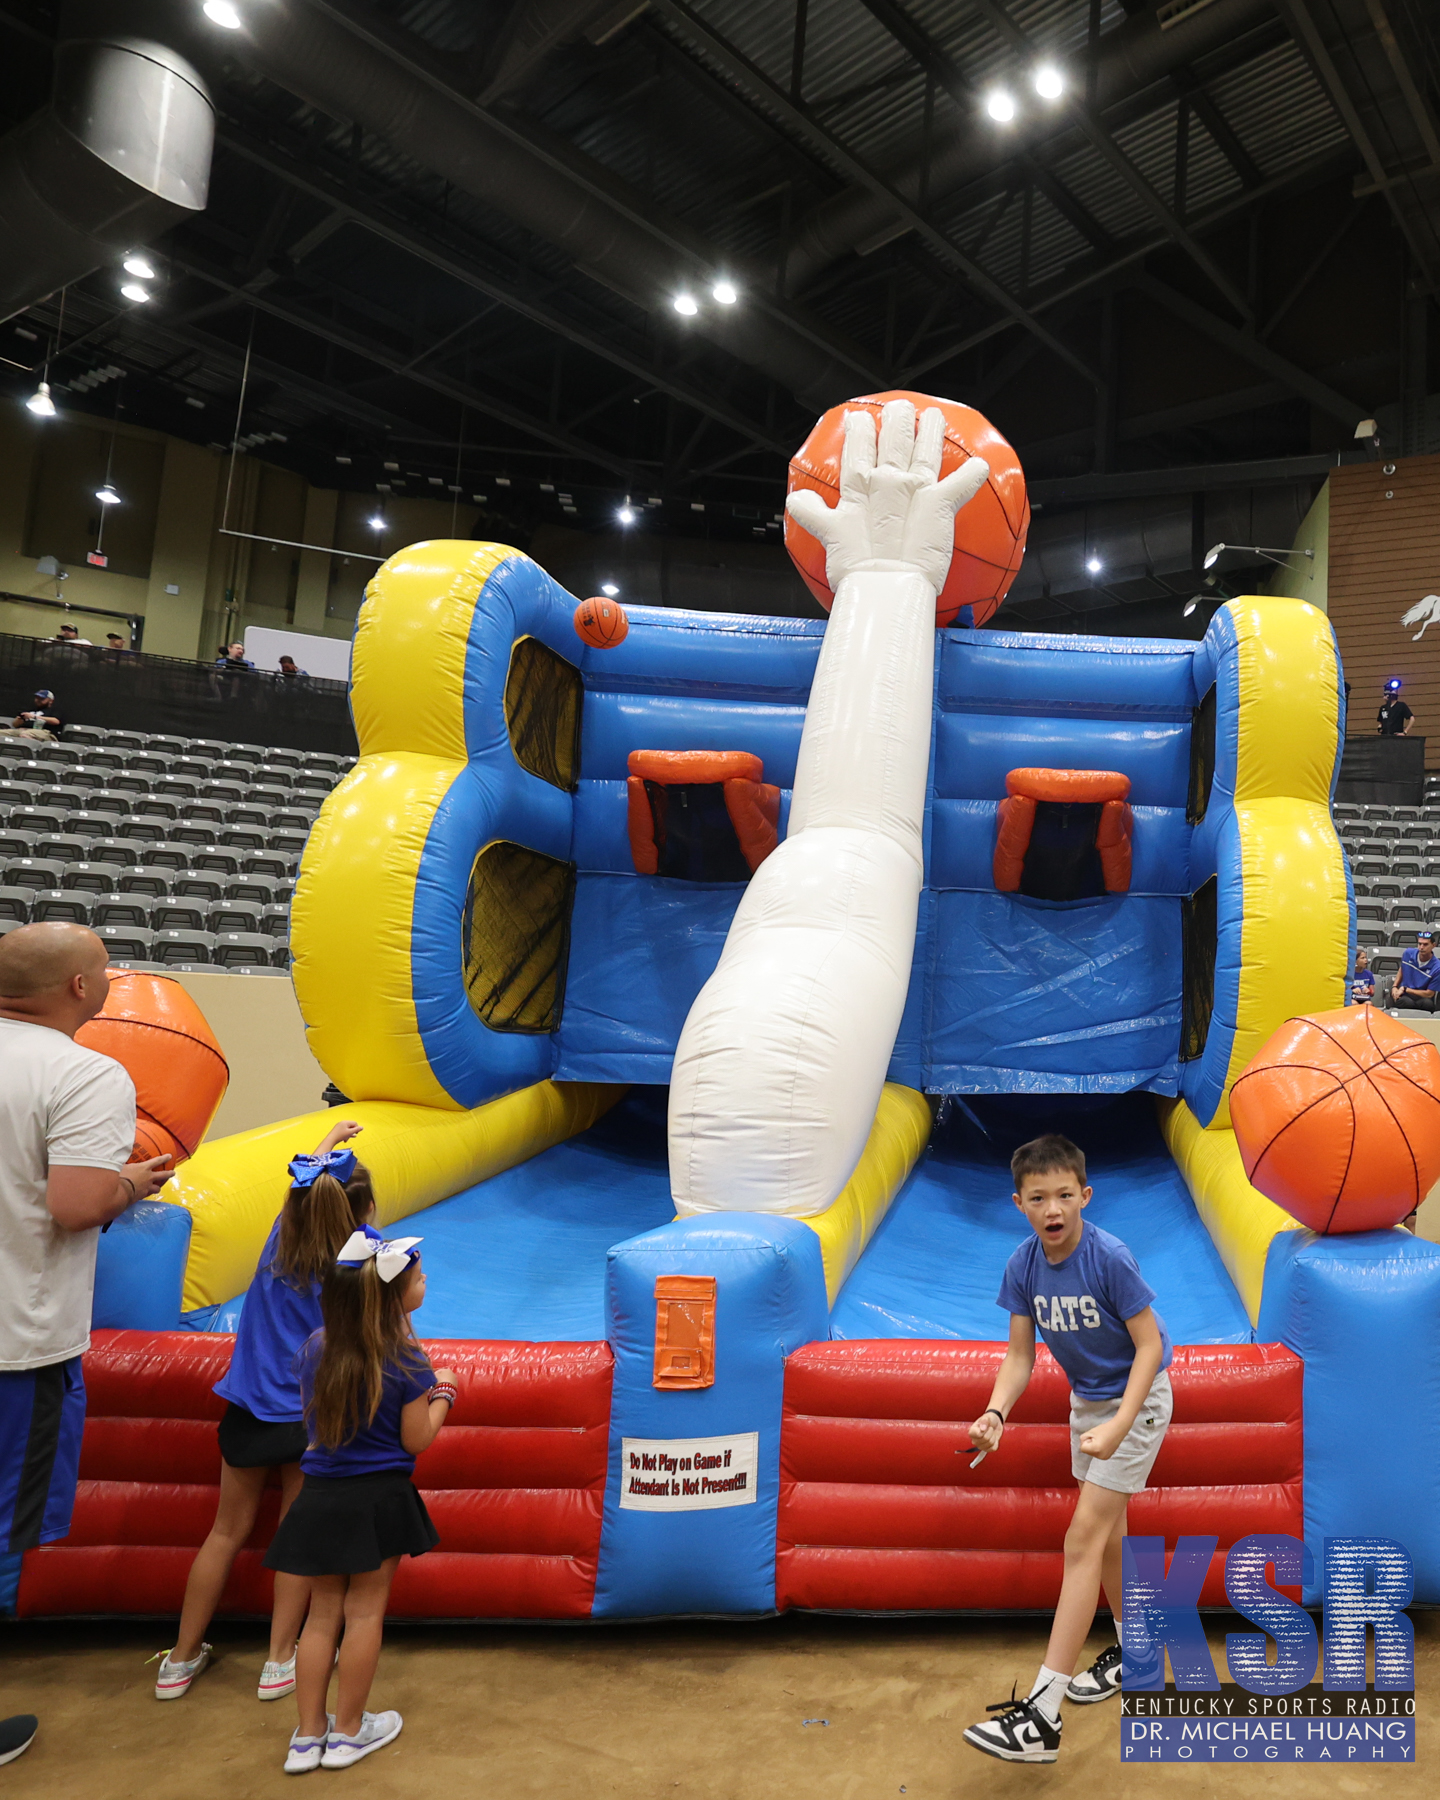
1084 1290
1417 980
372 1403
263 1426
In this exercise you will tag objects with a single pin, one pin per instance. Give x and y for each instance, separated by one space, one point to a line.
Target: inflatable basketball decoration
989 532
157 1033
1338 1119
601 622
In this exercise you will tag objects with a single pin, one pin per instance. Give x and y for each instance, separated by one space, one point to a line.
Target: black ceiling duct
121 152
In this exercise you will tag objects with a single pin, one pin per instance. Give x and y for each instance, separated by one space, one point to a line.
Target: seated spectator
232 659
1417 980
41 720
1362 982
288 671
116 643
69 634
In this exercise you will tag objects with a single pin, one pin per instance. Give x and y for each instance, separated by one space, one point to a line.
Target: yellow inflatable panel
900 1132
1292 866
1240 1220
234 1187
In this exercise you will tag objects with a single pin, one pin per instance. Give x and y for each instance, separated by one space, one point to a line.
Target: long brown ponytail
366 1327
316 1222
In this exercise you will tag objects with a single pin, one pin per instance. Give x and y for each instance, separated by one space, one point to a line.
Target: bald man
67 1131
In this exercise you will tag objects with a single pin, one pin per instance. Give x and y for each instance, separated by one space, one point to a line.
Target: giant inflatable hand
894 511
782 1060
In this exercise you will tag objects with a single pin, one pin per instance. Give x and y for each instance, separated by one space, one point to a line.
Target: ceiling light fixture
1049 82
132 290
223 14
40 402
725 292
609 589
1000 106
136 264
377 521
685 305
1212 555
107 496
626 515
1190 605
1094 565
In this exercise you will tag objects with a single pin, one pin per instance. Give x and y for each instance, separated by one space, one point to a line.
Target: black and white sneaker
17 1735
1022 1733
1099 1681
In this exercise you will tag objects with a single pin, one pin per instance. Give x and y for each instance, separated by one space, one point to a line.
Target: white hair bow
391 1255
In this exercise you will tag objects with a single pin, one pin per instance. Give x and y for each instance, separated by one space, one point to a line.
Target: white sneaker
173 1681
305 1753
1022 1733
376 1731
277 1680
1099 1681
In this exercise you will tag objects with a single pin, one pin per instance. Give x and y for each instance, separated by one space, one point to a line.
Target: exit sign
97 560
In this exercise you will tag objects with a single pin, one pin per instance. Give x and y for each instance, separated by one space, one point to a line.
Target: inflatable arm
782 1059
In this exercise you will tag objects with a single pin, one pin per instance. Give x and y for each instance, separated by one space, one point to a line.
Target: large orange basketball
989 533
601 622
152 1027
1338 1119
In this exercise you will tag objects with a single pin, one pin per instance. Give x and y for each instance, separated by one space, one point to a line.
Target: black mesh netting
1199 927
542 712
1061 861
516 937
1202 758
694 835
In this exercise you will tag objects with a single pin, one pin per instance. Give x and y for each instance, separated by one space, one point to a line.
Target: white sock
1048 1691
1119 1635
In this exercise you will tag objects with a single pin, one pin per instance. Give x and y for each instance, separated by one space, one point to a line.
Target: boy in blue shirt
1084 1290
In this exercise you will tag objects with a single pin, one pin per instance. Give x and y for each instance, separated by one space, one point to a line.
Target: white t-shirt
59 1103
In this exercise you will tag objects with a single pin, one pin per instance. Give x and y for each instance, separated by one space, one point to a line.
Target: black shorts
250 1443
348 1525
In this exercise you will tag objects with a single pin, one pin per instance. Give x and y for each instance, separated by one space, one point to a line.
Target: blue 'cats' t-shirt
277 1318
1081 1305
375 1446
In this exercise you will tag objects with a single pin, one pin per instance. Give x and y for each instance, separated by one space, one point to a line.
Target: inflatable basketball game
694 977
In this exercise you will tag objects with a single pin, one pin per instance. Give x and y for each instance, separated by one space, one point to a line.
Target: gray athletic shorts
1127 1471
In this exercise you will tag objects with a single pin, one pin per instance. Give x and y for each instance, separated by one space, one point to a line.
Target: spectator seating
1394 855
181 852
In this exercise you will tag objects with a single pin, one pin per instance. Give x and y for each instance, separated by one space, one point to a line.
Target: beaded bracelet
443 1390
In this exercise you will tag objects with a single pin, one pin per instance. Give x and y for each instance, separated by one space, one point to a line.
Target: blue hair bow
339 1163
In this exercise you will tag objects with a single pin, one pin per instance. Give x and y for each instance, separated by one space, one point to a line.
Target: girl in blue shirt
263 1426
372 1404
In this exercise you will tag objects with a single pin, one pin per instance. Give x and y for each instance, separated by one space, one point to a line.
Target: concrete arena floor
706 1711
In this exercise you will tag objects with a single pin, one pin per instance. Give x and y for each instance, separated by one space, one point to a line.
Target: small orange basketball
601 622
1338 1119
156 1032
989 533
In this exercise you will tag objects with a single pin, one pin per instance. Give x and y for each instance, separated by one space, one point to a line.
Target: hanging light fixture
139 266
106 495
40 402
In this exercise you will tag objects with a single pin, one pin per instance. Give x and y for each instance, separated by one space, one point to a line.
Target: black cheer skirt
348 1525
250 1443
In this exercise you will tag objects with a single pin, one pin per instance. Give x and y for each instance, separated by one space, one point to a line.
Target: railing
125 690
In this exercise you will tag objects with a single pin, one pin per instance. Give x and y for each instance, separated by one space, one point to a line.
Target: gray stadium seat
1372 910
176 746
291 820
258 888
156 806
188 831
70 905
145 880
182 947
117 850
288 843
275 775
32 872
18 793
267 794
93 824
266 863
83 776
214 748
314 781
234 949
126 740
247 814
142 828
36 818
244 837
174 787
121 909
275 922
90 877
217 860
66 754
253 969
62 800
112 761
15 843
180 913
286 759
84 735
60 847
232 792
127 781
108 800
15 904
129 941
280 952
167 856
192 768
233 915
196 884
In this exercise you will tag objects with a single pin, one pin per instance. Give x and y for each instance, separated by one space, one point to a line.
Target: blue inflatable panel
615 724
641 948
223 1316
1032 995
666 1555
975 751
140 1268
737 656
933 1268
1035 671
1361 1310
522 1255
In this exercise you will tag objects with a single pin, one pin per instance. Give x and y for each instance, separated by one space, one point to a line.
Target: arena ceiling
448 237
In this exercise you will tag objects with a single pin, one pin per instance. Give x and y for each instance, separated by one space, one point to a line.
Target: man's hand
1104 1440
79 1199
986 1431
894 510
